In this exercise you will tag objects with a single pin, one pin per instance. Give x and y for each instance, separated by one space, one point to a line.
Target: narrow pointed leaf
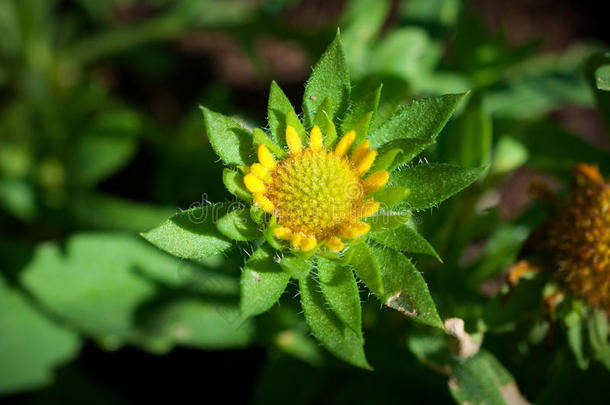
422 119
281 113
340 290
360 114
238 225
405 288
259 136
191 234
389 196
336 336
231 141
399 152
386 220
367 268
434 183
296 266
330 78
262 282
405 238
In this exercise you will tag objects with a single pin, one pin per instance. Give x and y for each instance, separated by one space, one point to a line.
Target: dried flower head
580 238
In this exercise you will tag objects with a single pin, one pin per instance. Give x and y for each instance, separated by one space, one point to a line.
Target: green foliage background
101 138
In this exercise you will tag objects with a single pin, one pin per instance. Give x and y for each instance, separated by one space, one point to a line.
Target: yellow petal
308 244
354 230
265 157
263 202
375 182
345 143
334 243
361 151
282 233
296 240
366 162
369 208
259 171
254 184
315 138
293 140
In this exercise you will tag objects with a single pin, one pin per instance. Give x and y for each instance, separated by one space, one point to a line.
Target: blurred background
101 138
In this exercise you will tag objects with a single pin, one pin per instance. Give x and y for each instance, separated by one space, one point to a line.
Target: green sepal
431 184
330 78
262 282
296 266
389 196
281 113
384 221
405 288
324 120
257 214
360 115
325 325
398 152
366 267
340 290
268 233
231 142
238 225
405 238
259 136
234 182
191 234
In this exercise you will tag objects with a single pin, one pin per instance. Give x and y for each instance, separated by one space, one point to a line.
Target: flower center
314 192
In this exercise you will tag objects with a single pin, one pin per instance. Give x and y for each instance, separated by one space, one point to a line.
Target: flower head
317 195
580 238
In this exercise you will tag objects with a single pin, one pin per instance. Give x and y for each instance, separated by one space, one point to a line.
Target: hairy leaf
366 267
231 141
340 290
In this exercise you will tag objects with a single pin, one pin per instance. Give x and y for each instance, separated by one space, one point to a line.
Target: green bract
327 282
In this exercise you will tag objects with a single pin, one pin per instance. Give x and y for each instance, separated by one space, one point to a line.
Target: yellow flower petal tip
254 184
315 139
293 140
361 151
375 182
263 202
366 162
265 157
295 240
260 172
335 244
345 143
355 230
369 208
282 233
308 244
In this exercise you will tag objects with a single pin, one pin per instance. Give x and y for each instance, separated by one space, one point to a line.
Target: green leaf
191 234
105 147
281 113
259 136
405 288
298 267
324 120
602 77
575 336
391 195
32 346
234 182
340 290
336 336
405 238
231 141
422 119
238 225
383 221
360 114
262 282
330 78
597 73
469 145
398 152
432 184
366 267
481 379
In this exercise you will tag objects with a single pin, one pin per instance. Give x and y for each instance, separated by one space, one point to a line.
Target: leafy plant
323 257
